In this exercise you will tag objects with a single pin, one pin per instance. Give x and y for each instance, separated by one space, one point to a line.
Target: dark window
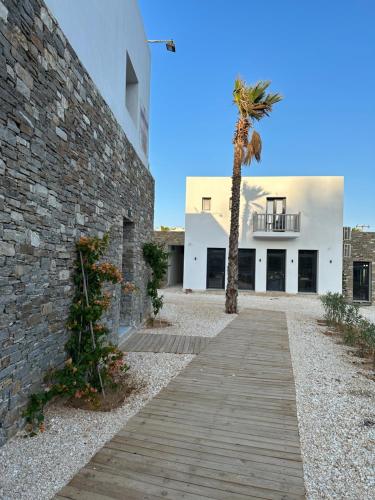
215 267
230 203
276 270
246 269
361 281
307 270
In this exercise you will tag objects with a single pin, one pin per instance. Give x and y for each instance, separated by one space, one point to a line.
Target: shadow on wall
251 194
210 229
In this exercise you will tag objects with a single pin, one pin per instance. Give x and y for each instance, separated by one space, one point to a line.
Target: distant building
290 233
359 266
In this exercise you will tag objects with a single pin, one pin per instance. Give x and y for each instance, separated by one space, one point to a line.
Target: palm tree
253 104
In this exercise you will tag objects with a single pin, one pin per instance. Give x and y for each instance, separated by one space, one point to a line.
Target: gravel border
334 400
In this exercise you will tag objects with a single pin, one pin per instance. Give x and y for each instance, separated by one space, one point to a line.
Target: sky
320 55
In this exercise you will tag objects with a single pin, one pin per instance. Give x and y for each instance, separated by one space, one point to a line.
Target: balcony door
246 269
307 270
215 267
276 210
361 281
276 270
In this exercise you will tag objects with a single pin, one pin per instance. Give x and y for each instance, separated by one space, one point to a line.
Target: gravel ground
36 468
334 397
334 400
191 317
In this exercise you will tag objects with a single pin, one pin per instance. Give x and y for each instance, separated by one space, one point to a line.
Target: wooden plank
160 342
225 427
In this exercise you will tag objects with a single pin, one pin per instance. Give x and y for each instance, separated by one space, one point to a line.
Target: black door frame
309 252
279 252
253 263
223 279
362 263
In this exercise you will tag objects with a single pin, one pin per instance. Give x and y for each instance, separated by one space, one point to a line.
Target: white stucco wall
319 199
102 32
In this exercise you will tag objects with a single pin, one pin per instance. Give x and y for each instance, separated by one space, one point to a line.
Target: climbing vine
157 258
93 364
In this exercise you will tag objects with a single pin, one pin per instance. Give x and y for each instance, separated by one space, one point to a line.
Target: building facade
359 266
110 41
67 168
290 237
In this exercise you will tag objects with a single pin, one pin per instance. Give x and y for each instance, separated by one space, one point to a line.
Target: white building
290 233
109 39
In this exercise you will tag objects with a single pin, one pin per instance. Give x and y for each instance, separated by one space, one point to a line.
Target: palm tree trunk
232 283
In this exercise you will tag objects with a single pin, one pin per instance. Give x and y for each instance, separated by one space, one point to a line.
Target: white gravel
191 317
36 468
333 401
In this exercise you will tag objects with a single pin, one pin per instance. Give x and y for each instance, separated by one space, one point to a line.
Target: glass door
276 270
361 281
246 269
276 209
307 267
215 267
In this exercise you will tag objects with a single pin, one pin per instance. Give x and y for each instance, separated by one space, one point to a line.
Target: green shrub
157 258
355 329
367 336
334 307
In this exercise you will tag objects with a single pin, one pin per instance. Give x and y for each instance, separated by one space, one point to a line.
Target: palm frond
252 101
248 155
256 144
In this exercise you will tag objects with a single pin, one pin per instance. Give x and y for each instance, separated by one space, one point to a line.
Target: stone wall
361 248
168 238
66 169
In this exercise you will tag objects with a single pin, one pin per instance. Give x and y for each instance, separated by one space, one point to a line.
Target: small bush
355 329
334 307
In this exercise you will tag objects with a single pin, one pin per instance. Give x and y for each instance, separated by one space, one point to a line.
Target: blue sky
319 54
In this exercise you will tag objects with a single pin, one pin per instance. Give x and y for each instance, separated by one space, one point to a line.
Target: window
347 233
206 204
230 203
347 250
131 91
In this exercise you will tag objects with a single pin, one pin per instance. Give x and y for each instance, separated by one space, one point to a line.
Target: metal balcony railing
277 222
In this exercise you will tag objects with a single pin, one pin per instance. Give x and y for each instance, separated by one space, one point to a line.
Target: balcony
281 226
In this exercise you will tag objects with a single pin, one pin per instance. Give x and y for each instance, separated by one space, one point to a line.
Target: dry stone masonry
358 247
66 169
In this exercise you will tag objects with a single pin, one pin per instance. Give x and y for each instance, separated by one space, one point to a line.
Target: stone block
7 249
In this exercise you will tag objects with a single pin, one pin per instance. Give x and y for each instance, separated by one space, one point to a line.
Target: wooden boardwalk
224 428
163 342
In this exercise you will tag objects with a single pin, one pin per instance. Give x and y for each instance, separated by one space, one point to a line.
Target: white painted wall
319 199
102 32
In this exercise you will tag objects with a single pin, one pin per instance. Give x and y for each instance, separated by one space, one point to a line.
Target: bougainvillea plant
93 364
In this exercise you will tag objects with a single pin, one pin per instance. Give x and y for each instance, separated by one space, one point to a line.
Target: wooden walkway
224 428
163 342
